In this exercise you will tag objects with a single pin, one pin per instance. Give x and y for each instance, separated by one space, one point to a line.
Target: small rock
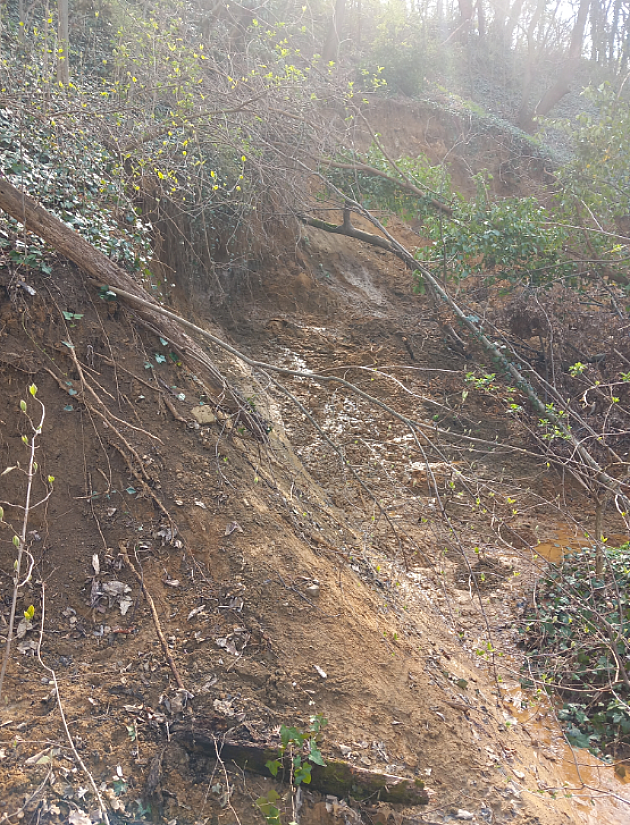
463 814
203 415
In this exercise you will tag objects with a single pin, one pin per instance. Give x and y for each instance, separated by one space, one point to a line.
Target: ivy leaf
315 755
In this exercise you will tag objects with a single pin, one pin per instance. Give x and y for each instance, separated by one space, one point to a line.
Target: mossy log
337 778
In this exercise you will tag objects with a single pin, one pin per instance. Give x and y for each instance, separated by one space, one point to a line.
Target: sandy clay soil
309 575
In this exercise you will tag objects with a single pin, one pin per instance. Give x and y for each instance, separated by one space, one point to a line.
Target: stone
203 414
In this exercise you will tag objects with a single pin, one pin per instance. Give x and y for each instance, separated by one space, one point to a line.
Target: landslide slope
304 576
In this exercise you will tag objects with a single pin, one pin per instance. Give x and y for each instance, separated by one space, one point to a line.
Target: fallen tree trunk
337 778
104 271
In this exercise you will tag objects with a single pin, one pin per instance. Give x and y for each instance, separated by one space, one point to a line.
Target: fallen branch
337 778
98 266
350 231
594 469
405 185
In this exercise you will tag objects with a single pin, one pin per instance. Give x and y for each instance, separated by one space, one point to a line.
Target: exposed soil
283 586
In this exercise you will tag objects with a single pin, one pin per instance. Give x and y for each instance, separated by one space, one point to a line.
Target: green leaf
274 766
303 774
315 754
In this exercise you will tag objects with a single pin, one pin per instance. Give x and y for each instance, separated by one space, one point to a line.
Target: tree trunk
100 268
524 118
612 37
481 20
63 44
466 14
561 87
515 13
333 38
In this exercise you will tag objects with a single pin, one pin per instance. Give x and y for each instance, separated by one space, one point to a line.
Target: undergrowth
578 642
73 176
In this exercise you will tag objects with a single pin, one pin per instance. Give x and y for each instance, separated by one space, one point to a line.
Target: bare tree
333 37
567 70
63 44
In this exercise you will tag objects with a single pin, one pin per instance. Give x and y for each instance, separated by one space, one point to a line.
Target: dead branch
346 228
405 185
180 123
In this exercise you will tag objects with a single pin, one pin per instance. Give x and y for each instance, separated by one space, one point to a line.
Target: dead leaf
196 611
23 627
27 646
115 589
224 707
124 605
36 758
228 645
232 526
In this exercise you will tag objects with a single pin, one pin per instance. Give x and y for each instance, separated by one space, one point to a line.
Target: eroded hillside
315 574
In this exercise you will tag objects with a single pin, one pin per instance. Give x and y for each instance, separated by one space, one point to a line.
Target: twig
73 748
156 619
20 540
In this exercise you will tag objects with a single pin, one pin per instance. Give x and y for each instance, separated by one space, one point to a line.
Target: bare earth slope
284 591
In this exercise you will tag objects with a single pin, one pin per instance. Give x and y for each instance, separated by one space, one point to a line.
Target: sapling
19 538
